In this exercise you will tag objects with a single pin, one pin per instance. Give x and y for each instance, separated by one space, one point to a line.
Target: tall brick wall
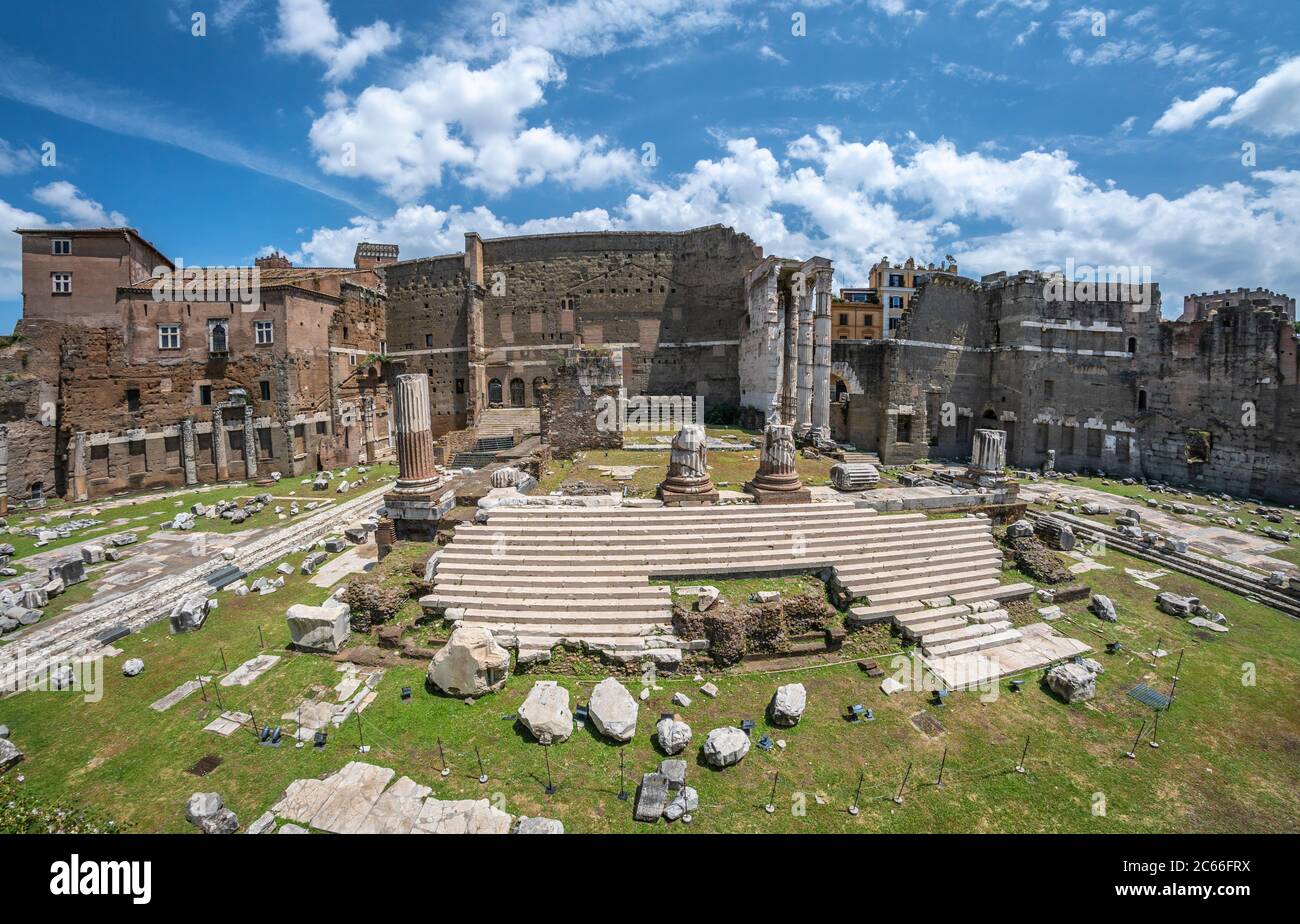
575 410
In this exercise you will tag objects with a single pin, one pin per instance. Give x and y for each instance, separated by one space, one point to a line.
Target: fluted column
821 399
187 451
989 451
806 308
415 460
790 362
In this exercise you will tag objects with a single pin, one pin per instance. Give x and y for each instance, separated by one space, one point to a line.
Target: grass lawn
1228 759
150 511
730 470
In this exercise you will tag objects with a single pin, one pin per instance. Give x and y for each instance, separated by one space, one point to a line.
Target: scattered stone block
132 667
1103 608
10 755
788 704
613 710
319 628
206 811
538 826
1074 682
545 712
725 746
673 735
651 797
471 663
709 690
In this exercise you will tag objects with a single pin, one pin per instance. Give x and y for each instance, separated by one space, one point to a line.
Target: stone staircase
958 629
539 576
502 421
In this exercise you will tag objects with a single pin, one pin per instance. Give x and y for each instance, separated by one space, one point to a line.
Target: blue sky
1009 133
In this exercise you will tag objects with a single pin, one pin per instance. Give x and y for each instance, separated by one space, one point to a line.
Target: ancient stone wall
579 407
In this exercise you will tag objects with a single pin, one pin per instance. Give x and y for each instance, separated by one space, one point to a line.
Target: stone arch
538 384
516 392
845 373
494 391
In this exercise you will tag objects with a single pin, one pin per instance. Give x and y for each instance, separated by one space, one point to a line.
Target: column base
766 495
673 498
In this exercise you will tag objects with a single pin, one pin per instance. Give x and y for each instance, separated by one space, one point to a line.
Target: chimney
368 255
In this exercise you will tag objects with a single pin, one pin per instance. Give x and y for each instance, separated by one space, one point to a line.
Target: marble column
777 480
250 442
80 464
989 451
4 471
688 481
368 429
220 446
821 399
415 462
806 308
187 451
790 364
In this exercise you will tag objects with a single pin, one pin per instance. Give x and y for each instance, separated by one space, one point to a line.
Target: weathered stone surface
319 628
470 664
206 811
673 736
9 754
675 770
132 667
613 710
651 797
1103 608
538 826
190 613
788 704
725 746
1074 682
265 824
545 712
1020 529
1175 605
686 801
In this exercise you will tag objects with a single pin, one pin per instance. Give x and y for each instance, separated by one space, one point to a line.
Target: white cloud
447 116
11 247
15 160
582 28
1271 106
768 53
1188 55
68 201
855 202
307 27
1184 113
1029 30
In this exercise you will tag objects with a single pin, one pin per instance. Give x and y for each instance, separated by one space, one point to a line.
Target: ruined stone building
128 371
151 378
1098 384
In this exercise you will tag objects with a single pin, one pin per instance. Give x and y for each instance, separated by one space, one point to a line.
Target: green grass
738 591
1228 760
150 512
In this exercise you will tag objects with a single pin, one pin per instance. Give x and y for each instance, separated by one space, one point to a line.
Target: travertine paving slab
178 694
250 670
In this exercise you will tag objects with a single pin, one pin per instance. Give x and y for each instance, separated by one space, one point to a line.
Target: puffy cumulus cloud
1184 113
855 202
450 116
1271 106
75 208
11 247
581 28
307 27
424 230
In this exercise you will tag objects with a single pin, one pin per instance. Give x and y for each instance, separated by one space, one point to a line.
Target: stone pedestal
414 504
688 482
777 480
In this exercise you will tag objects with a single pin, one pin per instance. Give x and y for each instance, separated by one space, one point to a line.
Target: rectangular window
266 390
1049 388
352 359
904 434
133 399
61 246
320 427
61 283
169 336
265 331
844 319
460 386
895 301
205 395
428 340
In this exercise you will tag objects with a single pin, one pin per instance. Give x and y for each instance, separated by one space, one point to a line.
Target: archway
494 392
538 383
516 392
